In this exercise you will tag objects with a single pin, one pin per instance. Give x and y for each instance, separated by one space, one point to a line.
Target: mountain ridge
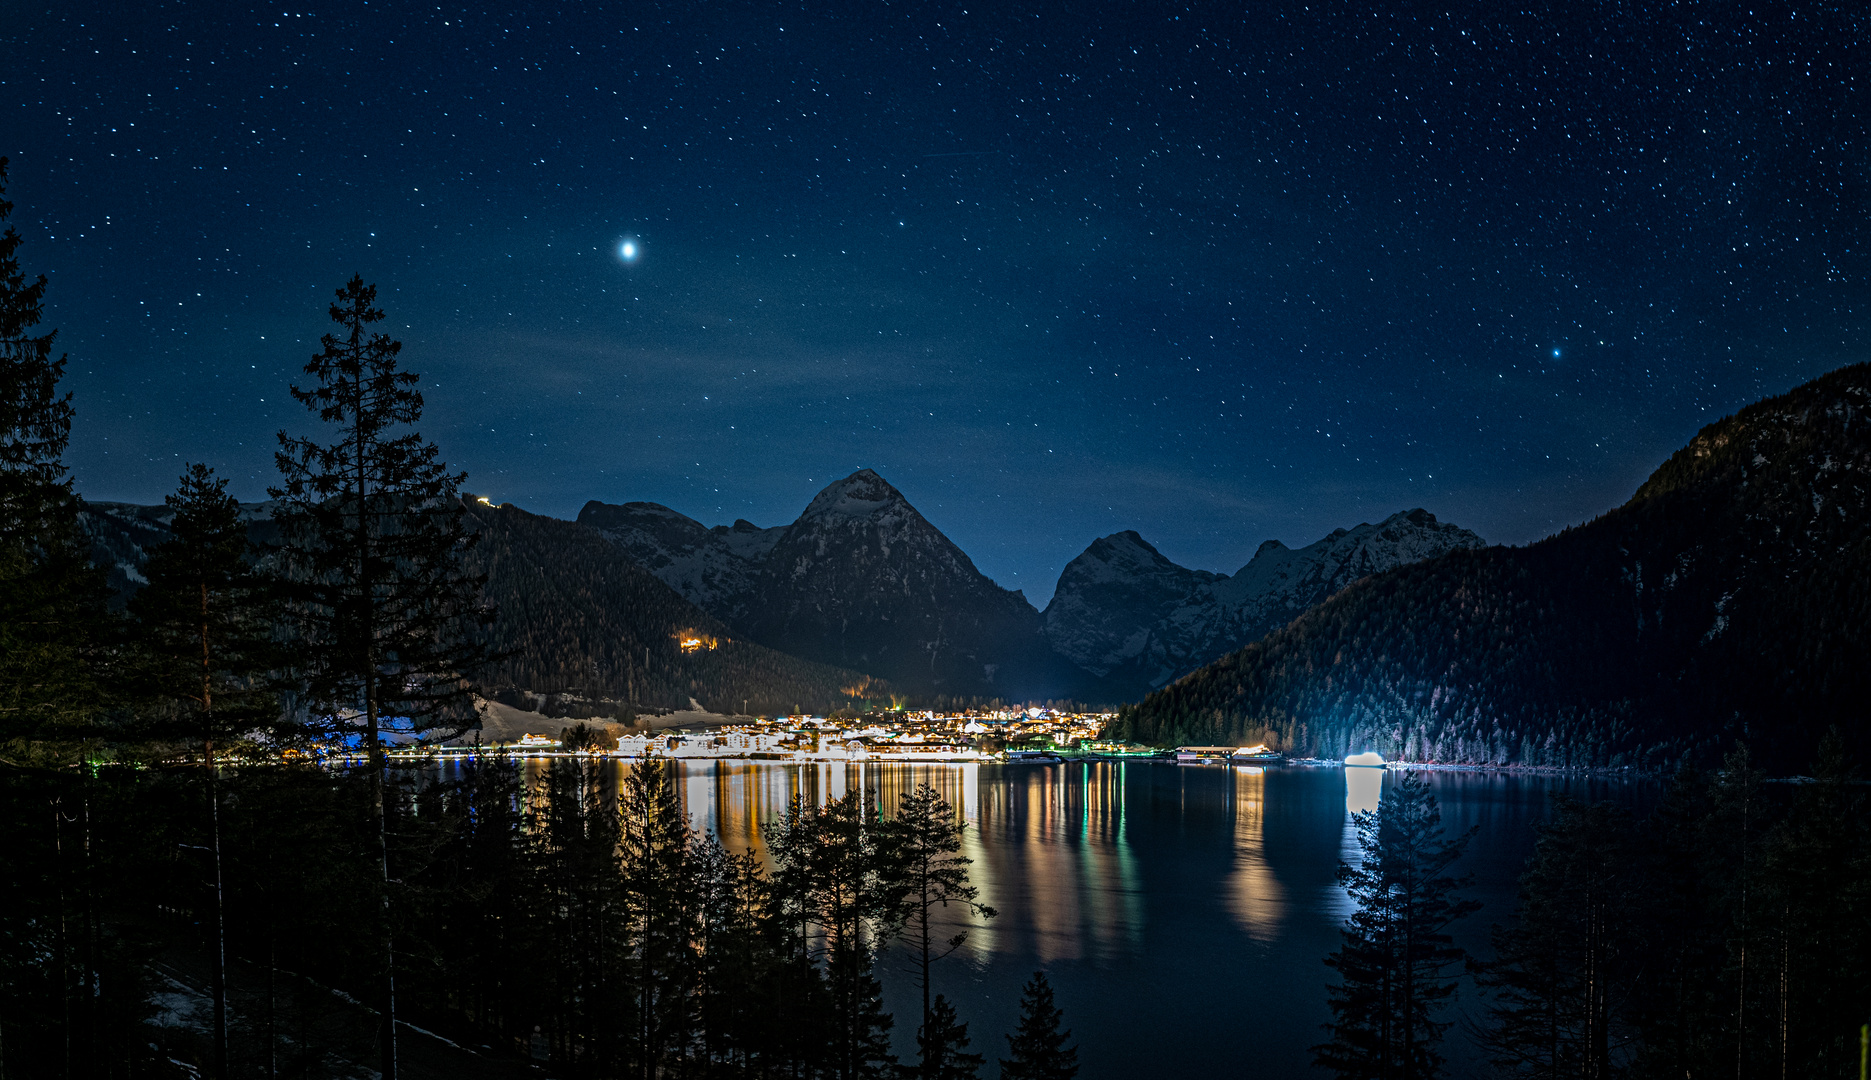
1728 598
859 579
1144 628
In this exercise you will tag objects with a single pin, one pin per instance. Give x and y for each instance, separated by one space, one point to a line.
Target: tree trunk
219 954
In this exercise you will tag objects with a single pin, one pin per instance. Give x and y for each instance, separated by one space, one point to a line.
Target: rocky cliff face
861 579
715 568
1127 614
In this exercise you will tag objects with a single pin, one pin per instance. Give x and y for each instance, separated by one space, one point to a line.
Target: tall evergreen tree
1037 1047
1564 972
660 917
373 554
1682 920
943 1044
51 598
929 874
1734 838
53 635
207 646
1397 965
1819 902
733 964
833 882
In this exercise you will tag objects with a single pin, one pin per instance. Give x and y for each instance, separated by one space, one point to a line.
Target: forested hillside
575 613
860 579
1729 598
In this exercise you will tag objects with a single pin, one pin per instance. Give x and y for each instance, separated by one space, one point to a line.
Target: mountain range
1128 615
859 597
1728 599
862 580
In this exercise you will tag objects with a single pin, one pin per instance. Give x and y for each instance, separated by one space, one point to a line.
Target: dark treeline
568 916
1727 933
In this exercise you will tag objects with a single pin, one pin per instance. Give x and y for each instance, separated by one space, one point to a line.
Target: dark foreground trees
931 875
372 559
1564 971
1398 967
205 653
1723 934
51 598
1037 1049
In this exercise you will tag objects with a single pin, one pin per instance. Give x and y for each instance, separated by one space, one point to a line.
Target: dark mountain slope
863 580
576 613
1729 598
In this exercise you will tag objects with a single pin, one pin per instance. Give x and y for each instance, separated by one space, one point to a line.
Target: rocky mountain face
1132 617
860 580
715 568
1729 599
577 613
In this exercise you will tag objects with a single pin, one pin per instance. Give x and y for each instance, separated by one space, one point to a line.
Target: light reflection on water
1152 892
1255 896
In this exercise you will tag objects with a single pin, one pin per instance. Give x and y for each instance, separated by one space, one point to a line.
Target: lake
1182 912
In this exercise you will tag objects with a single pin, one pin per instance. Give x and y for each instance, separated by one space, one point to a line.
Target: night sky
1217 274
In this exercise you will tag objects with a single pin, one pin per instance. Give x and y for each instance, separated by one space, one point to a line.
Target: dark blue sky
1215 273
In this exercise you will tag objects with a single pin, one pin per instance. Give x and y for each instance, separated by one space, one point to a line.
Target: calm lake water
1181 912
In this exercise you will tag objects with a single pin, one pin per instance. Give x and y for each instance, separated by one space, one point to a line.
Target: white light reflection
1363 789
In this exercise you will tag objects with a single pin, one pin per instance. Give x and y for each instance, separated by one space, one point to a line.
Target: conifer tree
51 598
832 878
1820 901
1564 972
53 633
943 1043
373 553
1396 965
206 647
929 872
1037 1047
660 915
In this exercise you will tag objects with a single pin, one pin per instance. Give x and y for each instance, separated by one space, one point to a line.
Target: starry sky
1218 273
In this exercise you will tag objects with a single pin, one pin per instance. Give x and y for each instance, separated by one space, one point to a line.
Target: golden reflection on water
1048 842
1254 894
734 799
1050 845
1054 858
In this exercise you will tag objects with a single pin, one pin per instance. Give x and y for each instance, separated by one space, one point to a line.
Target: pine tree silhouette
1395 965
1038 1045
373 556
206 647
943 1042
928 871
52 618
